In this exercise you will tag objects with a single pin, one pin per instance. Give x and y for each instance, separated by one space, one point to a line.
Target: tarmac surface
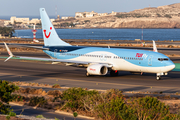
66 76
45 72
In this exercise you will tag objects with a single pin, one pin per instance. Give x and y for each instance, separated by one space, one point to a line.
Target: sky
69 7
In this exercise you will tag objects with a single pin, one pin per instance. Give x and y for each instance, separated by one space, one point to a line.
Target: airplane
98 60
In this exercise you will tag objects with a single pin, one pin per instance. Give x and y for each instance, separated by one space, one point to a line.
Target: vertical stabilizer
49 34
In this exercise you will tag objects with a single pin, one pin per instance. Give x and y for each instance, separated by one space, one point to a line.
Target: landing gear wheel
87 74
158 77
113 73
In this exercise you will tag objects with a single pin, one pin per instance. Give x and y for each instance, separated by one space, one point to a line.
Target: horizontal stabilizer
9 52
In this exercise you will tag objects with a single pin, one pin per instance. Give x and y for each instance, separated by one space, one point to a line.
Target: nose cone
170 66
173 66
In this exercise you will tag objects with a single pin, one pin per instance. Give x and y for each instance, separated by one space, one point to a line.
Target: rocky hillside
161 17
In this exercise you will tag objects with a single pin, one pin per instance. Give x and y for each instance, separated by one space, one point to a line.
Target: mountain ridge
167 16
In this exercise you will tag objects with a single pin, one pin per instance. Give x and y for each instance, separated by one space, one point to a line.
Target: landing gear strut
113 73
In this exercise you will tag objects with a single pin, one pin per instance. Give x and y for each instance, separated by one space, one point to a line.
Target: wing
67 62
29 46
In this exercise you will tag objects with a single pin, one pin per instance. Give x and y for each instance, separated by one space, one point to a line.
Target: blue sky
69 7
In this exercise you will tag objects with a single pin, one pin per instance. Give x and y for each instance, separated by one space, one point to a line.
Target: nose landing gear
158 77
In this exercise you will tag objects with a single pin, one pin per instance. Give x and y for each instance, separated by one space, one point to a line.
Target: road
47 114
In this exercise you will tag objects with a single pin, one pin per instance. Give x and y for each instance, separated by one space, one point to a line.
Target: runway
66 76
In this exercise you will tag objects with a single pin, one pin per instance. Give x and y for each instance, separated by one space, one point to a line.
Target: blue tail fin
49 34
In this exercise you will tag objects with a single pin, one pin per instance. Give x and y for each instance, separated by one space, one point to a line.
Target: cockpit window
163 59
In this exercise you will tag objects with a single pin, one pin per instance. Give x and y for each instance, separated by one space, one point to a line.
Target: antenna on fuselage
154 46
108 46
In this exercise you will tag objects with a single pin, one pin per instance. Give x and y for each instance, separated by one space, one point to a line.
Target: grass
40 116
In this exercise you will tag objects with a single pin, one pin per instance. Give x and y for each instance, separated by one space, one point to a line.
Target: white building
80 15
85 14
114 13
34 21
21 20
102 14
64 18
7 22
91 14
52 20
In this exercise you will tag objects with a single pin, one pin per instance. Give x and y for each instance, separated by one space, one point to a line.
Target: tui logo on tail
47 36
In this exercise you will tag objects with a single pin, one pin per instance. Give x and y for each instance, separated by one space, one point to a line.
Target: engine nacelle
97 69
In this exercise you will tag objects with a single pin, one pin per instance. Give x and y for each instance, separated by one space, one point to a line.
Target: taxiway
66 76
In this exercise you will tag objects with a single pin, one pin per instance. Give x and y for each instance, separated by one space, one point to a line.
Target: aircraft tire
87 74
158 78
113 73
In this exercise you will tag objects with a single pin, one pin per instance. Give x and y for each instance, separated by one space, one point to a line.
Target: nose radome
173 66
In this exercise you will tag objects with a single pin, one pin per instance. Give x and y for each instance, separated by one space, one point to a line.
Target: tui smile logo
47 36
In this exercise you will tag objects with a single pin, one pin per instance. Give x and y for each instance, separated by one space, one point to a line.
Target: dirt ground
2 117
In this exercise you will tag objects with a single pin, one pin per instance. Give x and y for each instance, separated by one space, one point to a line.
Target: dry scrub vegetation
105 105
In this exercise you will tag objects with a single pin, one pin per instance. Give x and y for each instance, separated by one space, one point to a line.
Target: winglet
9 52
154 46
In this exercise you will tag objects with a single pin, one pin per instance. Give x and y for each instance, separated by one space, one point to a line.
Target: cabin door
150 60
55 53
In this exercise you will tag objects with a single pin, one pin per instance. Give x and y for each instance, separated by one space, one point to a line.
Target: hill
161 17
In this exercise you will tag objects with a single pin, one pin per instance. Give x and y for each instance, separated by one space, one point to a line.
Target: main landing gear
113 73
87 74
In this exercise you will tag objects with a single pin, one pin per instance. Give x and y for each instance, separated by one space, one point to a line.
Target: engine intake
97 69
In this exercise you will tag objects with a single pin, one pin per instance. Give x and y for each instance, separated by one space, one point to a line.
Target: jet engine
97 69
